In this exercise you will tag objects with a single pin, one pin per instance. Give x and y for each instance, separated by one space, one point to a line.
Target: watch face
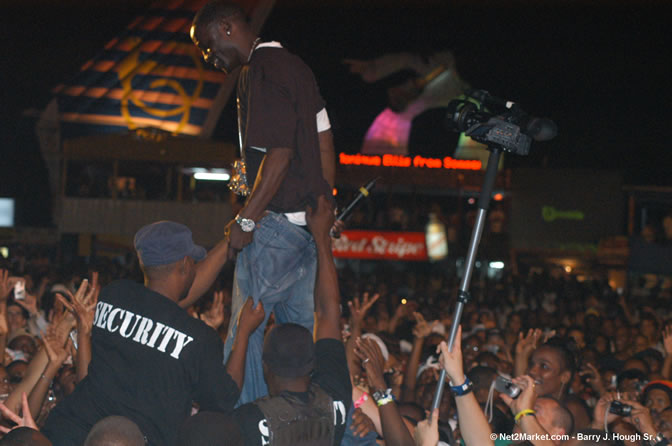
246 224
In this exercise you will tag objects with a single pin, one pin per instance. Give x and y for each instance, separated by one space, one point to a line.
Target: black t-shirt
331 374
283 103
150 360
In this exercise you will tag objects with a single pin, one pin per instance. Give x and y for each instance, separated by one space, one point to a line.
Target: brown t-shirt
283 102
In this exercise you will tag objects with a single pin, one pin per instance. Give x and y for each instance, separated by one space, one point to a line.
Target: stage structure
146 93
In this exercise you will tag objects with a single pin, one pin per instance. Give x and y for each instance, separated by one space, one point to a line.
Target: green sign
549 214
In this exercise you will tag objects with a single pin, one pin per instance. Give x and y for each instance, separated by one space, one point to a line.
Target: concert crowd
573 348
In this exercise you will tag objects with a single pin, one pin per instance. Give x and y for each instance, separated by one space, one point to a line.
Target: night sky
600 70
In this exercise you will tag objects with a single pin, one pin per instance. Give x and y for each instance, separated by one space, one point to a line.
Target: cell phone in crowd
505 386
20 290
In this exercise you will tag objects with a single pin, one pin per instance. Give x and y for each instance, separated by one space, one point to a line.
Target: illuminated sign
407 161
382 245
549 214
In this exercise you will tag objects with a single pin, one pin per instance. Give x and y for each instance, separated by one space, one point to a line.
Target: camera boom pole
463 293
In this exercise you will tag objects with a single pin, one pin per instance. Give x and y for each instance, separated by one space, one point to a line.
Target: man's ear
225 27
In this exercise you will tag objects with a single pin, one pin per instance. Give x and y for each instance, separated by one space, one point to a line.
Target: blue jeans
278 268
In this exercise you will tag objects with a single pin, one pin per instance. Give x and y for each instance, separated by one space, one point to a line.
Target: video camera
496 122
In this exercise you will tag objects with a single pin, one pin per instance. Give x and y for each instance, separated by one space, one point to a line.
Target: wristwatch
464 388
382 397
246 224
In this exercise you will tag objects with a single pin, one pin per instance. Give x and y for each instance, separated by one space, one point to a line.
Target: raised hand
25 421
427 431
320 220
4 328
359 309
452 361
83 303
5 288
528 343
57 352
422 328
667 339
373 362
29 303
214 316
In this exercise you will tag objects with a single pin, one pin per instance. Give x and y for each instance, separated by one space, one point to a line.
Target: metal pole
463 294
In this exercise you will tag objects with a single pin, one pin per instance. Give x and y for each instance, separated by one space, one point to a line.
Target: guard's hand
250 316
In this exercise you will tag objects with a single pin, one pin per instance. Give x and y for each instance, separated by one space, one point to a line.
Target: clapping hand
373 362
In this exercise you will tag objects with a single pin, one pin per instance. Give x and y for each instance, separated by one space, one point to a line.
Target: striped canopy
150 76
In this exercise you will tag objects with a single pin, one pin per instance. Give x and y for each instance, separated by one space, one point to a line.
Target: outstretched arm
473 425
57 353
394 430
357 313
327 295
421 330
206 273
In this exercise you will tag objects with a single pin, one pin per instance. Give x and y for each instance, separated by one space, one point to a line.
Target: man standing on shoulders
149 358
288 155
308 382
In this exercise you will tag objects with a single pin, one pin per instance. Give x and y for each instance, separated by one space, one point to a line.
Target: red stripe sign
383 245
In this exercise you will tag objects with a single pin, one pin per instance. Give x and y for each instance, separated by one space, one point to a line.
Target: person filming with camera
541 421
626 420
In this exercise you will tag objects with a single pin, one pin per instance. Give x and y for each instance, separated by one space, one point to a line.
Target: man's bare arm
328 156
206 273
272 172
327 295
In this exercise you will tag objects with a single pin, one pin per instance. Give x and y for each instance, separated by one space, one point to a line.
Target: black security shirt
150 360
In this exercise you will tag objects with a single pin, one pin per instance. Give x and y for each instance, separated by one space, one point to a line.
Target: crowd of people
572 347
